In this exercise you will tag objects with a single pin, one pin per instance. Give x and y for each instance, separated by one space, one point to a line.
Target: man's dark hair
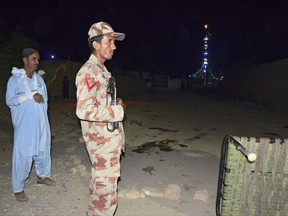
97 39
28 51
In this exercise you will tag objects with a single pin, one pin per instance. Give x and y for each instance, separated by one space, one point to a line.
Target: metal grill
250 185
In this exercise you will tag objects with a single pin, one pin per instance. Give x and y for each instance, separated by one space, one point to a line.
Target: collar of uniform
95 61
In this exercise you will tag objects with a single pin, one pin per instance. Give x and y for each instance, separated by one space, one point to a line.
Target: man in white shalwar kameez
27 99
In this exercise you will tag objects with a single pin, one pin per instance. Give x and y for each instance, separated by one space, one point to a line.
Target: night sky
160 35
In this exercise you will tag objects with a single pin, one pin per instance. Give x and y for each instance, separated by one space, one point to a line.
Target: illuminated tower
204 72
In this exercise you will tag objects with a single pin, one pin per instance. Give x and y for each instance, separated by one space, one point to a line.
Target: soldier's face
106 48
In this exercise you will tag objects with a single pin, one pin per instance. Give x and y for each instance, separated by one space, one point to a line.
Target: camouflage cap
102 28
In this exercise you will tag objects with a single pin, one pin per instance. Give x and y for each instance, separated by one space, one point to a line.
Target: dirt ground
172 138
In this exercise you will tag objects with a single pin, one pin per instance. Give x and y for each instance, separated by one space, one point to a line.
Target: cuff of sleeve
22 98
119 113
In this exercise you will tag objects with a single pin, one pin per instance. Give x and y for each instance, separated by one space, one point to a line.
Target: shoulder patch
90 84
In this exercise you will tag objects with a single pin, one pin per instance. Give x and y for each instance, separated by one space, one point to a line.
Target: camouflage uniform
104 147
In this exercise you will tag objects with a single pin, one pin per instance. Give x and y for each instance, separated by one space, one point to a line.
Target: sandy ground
172 138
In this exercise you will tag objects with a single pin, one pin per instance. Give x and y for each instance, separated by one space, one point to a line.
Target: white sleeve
23 98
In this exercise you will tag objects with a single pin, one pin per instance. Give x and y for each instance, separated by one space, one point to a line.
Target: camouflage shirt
93 101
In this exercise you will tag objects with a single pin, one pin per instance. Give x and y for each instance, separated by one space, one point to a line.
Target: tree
12 42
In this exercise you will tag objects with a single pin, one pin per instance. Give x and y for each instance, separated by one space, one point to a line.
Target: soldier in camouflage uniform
95 111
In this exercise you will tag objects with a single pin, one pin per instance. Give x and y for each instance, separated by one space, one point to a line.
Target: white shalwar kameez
32 139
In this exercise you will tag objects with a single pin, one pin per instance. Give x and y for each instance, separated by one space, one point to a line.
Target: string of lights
204 72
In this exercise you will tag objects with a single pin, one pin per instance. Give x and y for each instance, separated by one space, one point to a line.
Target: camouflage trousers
103 196
104 153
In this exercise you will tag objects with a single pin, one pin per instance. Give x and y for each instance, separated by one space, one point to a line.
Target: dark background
161 36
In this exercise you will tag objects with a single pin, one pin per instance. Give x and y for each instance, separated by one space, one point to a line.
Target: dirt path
171 138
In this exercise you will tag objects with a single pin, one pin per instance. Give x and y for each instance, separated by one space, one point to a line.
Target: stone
69 150
81 140
86 175
201 195
73 170
153 192
172 191
122 193
131 194
81 168
76 161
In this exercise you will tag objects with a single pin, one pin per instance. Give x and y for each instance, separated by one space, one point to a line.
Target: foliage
12 42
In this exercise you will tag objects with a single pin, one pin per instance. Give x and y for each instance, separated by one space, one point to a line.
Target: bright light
52 56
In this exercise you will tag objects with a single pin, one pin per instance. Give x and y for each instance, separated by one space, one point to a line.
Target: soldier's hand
38 98
120 102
